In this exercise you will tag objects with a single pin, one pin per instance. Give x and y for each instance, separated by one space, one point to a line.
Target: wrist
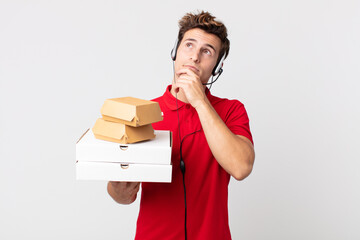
203 105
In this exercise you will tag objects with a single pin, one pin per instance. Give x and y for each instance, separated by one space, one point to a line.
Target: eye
207 52
188 45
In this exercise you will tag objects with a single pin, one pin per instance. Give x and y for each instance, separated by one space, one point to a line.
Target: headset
217 69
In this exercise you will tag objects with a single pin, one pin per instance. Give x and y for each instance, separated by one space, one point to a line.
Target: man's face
198 51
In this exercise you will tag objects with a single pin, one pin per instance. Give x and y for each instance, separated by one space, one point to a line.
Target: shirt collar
170 100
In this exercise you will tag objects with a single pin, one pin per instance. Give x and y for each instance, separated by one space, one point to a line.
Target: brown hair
206 22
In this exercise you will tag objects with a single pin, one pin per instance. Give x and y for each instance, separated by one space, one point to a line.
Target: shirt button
187 106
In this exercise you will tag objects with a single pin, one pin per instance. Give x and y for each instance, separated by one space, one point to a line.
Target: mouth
195 69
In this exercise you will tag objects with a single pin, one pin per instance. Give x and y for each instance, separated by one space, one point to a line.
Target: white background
294 64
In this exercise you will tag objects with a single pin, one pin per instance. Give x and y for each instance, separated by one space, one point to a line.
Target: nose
195 55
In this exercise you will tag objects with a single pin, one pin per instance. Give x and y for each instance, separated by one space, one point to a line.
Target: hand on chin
188 83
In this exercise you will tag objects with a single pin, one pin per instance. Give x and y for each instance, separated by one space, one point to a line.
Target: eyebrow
194 40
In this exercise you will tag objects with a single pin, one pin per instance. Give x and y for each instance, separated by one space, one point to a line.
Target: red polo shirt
161 213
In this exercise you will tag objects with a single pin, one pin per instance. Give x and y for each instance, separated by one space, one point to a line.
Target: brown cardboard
121 133
131 111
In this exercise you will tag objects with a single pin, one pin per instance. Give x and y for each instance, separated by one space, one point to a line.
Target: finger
137 188
187 71
136 185
184 82
123 186
176 88
192 69
115 184
183 86
131 185
189 78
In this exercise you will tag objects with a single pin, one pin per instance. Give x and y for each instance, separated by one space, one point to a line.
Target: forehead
203 38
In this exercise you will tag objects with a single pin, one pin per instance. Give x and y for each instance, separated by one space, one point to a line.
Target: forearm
234 153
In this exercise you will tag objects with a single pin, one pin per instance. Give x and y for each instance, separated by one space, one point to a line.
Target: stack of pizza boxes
123 146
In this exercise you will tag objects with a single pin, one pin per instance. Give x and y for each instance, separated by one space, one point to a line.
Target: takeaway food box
123 146
131 111
146 161
127 120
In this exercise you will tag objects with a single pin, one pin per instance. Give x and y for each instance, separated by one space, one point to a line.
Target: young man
211 136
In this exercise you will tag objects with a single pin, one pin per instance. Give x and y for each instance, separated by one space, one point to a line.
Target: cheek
206 74
180 58
209 67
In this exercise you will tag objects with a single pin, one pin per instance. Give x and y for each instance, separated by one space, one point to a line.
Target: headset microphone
212 77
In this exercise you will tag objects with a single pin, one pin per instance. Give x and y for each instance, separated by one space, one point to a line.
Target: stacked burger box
123 146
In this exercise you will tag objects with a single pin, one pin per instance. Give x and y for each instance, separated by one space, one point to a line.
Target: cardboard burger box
131 111
121 133
127 120
147 161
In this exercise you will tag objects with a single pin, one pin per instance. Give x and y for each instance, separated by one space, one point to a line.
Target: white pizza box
155 151
123 172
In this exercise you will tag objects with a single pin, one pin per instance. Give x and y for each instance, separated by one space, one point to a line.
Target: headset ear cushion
174 50
218 66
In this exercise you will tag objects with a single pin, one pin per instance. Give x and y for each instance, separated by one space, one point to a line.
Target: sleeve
237 120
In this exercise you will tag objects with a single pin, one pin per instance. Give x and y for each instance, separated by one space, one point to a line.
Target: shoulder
234 115
224 106
223 102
